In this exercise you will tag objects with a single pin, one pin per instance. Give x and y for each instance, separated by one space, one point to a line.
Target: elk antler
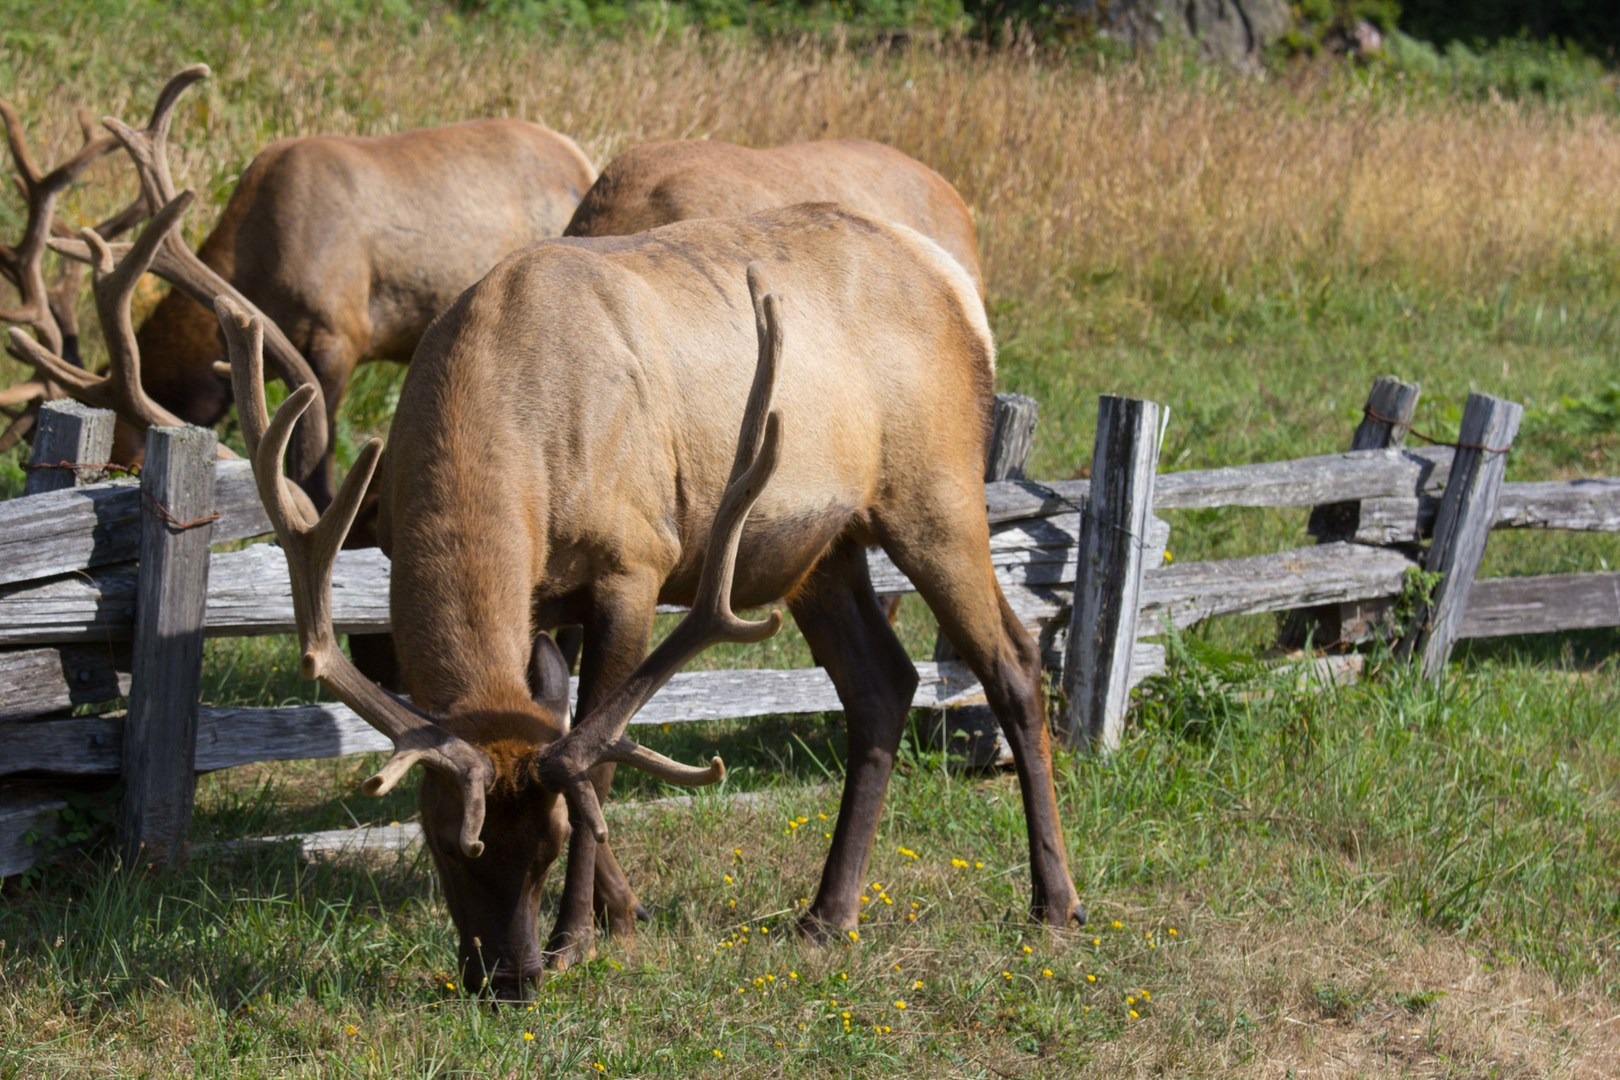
600 737
311 544
44 308
177 264
120 389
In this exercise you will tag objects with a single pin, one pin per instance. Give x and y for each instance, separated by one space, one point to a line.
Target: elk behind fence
107 589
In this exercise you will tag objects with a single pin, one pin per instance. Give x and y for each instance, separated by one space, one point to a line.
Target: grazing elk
562 453
661 183
353 245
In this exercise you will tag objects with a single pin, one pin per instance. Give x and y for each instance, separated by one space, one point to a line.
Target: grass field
1391 878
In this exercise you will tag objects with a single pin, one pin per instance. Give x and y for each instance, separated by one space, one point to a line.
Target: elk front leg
616 637
849 633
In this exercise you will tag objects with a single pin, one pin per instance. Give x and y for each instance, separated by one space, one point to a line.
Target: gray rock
1229 31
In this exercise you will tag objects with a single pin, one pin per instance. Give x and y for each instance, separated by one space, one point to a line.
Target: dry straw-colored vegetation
1075 171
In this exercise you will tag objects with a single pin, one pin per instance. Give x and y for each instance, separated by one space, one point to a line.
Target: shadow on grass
1578 650
231 927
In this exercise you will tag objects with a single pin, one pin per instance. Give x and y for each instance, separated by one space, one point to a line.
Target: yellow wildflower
900 1005
528 1036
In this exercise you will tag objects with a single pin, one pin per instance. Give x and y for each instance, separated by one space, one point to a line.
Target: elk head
491 812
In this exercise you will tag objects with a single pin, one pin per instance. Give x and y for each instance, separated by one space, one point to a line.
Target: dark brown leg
850 635
951 569
616 639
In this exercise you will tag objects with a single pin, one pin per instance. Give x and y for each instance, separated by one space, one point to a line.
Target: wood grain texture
1108 582
67 432
37 682
97 525
1541 605
1467 512
160 732
1187 593
1584 505
1385 419
227 737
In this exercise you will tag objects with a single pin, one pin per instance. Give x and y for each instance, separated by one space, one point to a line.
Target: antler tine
149 147
599 736
17 429
23 265
22 393
311 544
179 265
115 281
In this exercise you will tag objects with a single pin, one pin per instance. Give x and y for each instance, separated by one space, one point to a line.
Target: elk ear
548 676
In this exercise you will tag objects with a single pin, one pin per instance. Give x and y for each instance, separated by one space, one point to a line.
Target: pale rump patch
961 282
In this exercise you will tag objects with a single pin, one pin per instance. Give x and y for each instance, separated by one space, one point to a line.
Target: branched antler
311 544
120 389
179 265
42 307
600 736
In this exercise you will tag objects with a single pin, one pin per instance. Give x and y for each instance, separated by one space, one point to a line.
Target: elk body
353 245
661 183
560 447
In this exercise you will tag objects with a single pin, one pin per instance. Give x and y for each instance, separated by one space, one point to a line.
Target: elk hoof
577 949
813 928
642 914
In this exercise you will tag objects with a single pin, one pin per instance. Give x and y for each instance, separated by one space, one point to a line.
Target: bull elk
664 182
562 452
350 246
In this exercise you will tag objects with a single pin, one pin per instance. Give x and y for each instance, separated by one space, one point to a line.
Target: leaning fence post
160 730
1467 511
972 728
67 432
1108 580
1385 420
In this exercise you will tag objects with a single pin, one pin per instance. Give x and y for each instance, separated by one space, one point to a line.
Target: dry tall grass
1073 172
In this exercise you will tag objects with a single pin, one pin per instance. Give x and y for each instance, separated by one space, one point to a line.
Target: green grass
1391 877
1470 825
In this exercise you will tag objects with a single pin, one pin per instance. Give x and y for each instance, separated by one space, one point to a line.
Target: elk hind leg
952 571
849 634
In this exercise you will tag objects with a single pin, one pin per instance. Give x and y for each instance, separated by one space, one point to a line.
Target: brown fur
353 245
561 441
661 183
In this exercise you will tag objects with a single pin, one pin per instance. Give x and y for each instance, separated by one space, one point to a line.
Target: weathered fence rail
71 595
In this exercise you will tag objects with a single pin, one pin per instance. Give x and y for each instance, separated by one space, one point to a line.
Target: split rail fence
108 588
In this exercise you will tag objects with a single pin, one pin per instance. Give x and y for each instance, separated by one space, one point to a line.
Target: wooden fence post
972 729
1385 420
1467 511
1108 581
67 431
160 731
